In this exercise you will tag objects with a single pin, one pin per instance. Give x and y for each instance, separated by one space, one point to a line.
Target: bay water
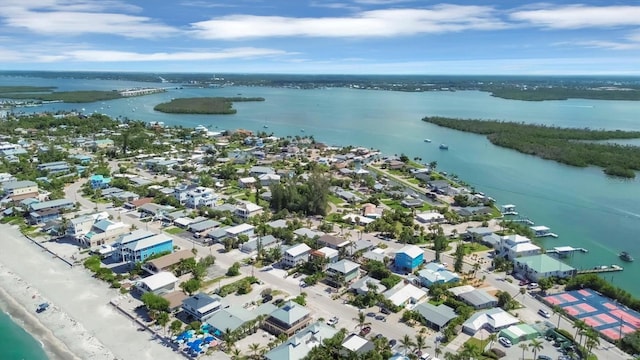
586 208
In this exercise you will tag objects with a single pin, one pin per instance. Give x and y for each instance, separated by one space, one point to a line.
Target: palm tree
437 351
229 338
470 351
593 339
163 319
236 354
535 346
362 320
579 325
560 311
255 349
524 347
492 338
420 342
407 343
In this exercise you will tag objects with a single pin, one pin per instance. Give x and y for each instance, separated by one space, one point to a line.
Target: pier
564 251
601 269
543 231
522 220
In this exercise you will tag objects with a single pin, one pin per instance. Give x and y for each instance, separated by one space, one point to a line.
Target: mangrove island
203 105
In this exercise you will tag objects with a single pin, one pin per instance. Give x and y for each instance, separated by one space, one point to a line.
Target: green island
564 93
575 147
203 105
43 93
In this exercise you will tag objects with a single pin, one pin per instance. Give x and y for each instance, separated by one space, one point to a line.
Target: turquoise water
583 206
17 344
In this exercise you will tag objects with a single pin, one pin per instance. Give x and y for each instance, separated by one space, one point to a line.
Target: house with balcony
247 209
287 319
268 179
200 196
514 246
296 255
41 212
81 225
160 283
202 306
542 266
99 181
138 245
342 273
57 167
409 258
103 232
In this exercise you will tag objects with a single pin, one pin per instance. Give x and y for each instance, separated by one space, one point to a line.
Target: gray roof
290 313
199 301
439 315
276 224
203 225
235 316
52 203
300 344
344 266
17 184
478 297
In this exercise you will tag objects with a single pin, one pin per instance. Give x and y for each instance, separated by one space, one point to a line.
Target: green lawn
394 204
174 230
335 200
474 247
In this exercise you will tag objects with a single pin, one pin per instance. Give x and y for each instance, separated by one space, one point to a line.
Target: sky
323 36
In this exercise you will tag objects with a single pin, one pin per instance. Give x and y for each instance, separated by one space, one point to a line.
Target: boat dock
522 220
564 251
543 231
601 269
508 209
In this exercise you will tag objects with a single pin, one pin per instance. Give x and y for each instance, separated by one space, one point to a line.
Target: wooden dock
601 269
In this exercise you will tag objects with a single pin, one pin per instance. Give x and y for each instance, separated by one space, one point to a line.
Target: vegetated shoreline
47 94
203 105
564 93
563 145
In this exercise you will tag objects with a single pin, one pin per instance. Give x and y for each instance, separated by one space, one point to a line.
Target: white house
200 196
514 246
296 255
160 283
403 295
246 229
248 209
430 217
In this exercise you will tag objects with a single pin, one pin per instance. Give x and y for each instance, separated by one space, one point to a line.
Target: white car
504 341
333 321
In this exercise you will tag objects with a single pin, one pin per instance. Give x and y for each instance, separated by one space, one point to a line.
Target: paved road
320 301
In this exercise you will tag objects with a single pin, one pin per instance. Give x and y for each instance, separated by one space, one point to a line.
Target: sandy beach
80 323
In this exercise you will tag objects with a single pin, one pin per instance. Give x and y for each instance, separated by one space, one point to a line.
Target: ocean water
583 206
16 343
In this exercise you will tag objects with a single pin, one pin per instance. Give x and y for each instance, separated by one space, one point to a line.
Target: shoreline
80 322
54 347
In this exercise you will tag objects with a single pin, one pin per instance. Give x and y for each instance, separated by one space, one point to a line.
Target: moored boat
427 140
625 256
444 147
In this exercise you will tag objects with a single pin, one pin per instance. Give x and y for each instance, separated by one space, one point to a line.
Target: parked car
532 286
333 321
393 342
544 357
385 311
371 314
365 330
544 313
297 275
504 341
380 317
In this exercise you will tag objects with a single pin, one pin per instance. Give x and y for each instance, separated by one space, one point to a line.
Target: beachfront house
160 283
201 306
20 190
81 225
287 319
167 262
299 345
41 212
542 266
138 245
409 258
235 317
103 232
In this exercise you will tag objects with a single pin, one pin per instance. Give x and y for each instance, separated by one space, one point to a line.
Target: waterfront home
514 246
20 190
201 306
138 245
81 225
103 232
435 317
476 233
287 319
493 320
435 273
160 283
342 272
41 212
233 317
296 255
300 345
167 262
409 258
542 266
404 294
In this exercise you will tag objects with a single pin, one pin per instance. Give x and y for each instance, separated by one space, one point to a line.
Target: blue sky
322 36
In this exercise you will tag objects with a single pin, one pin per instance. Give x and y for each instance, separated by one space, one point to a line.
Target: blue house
99 182
434 273
409 258
138 245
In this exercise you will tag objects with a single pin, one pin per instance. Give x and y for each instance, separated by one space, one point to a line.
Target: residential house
514 246
366 284
355 343
242 229
167 262
287 319
403 294
435 273
41 212
81 225
493 320
261 170
268 179
328 254
308 233
103 232
376 254
300 345
247 182
20 190
154 210
57 167
262 242
202 306
296 255
542 266
200 196
201 228
99 181
333 242
342 272
234 316
162 282
432 217
247 209
138 245
479 299
409 258
435 317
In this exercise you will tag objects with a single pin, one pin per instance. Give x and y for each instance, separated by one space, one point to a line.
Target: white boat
444 147
427 140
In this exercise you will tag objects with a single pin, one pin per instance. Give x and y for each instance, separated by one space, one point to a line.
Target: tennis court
609 318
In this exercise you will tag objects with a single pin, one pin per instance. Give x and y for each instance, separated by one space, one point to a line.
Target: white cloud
579 16
375 23
78 17
124 56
